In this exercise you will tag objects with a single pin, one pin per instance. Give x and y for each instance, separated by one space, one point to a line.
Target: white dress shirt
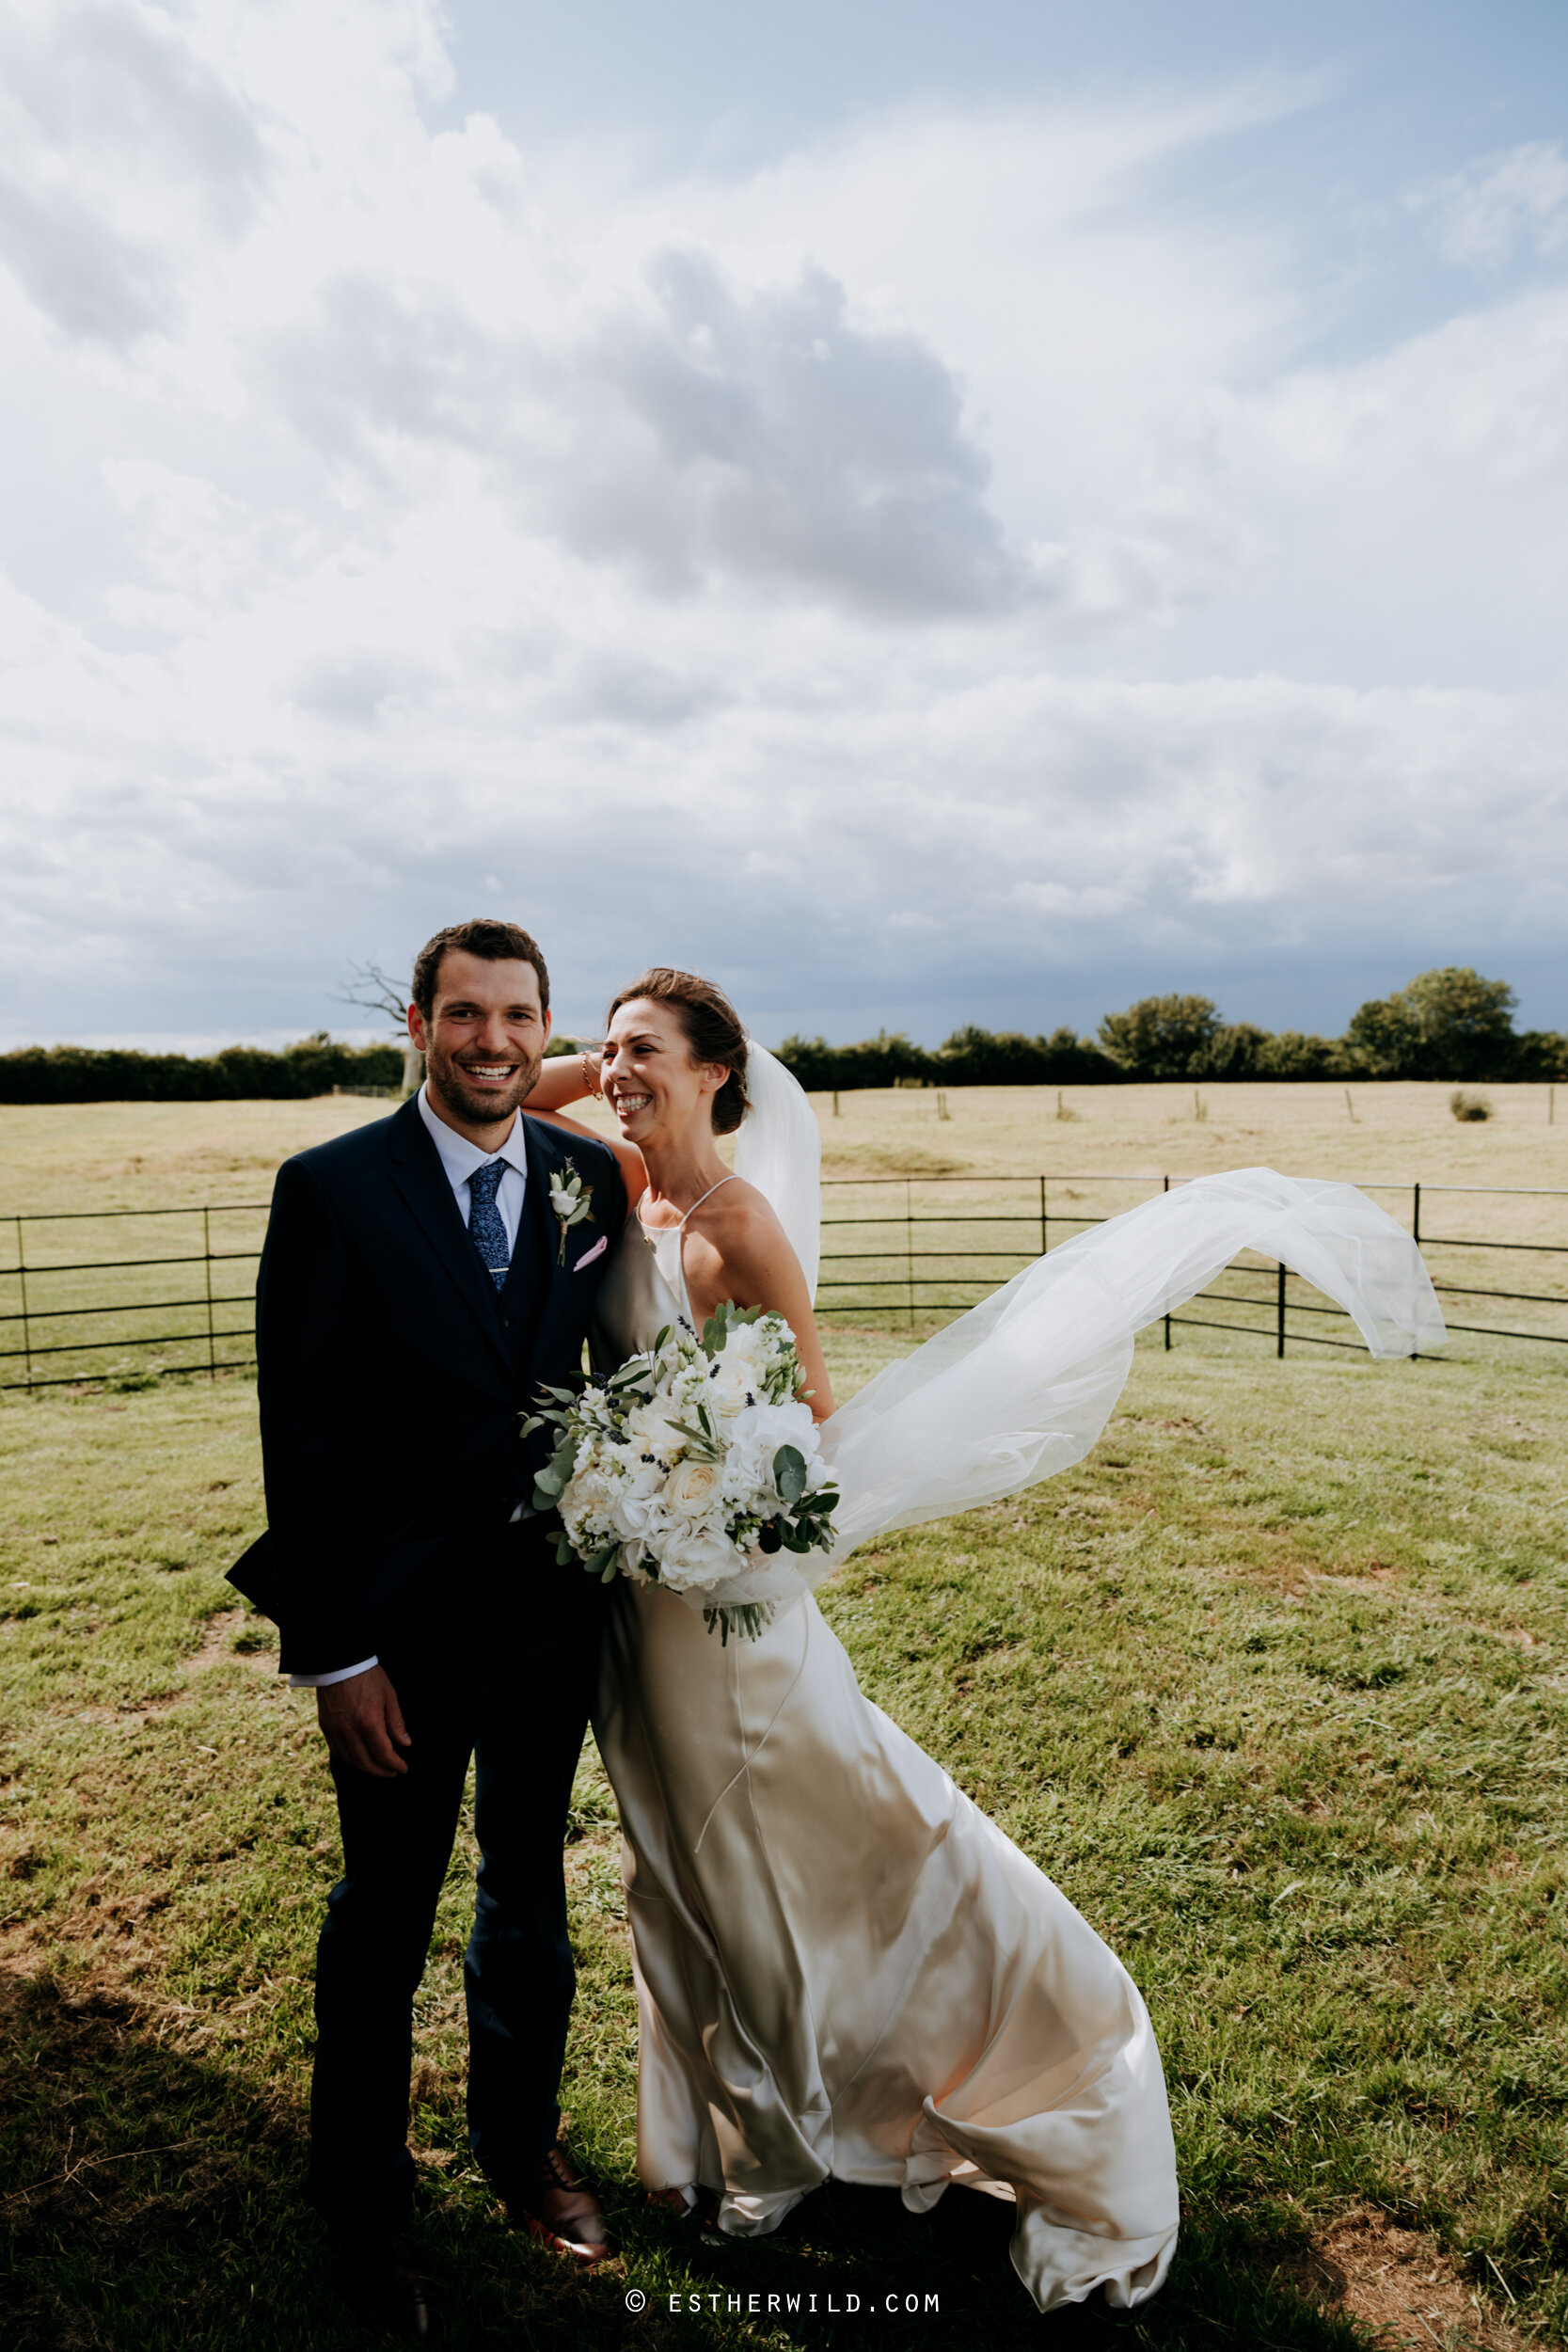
459 1158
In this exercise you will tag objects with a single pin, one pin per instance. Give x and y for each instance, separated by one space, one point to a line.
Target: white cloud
1485 214
923 568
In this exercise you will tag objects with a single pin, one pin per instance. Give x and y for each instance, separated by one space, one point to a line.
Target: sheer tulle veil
1021 1386
779 1149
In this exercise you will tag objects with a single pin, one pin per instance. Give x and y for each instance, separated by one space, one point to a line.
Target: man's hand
360 1720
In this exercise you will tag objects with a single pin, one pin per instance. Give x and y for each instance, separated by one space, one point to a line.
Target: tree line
1449 1024
248 1074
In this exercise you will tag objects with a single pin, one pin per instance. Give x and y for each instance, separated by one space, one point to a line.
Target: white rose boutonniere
571 1203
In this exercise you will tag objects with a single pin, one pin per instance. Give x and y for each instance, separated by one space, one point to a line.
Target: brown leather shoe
381 2279
555 2204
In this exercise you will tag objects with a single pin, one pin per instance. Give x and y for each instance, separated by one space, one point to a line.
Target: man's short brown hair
497 943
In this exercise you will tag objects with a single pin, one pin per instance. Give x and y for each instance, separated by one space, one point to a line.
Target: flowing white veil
1021 1386
779 1149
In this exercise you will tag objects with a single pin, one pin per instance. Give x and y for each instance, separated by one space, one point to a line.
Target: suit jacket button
506 1323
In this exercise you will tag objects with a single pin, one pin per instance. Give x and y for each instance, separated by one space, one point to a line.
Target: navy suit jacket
394 1378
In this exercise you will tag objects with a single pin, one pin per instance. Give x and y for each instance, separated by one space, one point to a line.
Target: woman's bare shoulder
739 1226
736 1211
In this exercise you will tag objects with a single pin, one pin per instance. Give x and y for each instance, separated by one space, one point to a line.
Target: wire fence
134 1296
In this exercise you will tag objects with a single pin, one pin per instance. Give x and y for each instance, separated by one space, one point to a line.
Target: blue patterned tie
485 1229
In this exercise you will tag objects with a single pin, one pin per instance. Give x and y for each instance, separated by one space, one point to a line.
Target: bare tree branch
376 992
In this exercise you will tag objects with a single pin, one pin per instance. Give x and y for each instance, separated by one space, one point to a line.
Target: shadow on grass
151 2205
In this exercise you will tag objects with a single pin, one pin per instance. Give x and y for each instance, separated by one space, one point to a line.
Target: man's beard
479 1108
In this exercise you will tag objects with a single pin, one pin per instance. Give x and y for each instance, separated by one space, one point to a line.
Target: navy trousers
495 1663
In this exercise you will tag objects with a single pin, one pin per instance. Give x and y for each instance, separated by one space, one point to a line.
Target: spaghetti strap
679 1226
707 1196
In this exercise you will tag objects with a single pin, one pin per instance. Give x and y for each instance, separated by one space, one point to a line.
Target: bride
843 1968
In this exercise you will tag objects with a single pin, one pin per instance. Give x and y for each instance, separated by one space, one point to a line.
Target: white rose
633 1514
696 1557
732 1382
692 1489
649 1431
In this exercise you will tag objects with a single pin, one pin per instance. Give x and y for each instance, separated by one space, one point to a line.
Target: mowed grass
1273 1686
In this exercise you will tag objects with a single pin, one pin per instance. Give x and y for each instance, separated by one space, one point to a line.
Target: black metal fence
128 1295
920 1250
134 1296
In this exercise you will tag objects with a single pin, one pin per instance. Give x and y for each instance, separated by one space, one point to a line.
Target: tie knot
484 1182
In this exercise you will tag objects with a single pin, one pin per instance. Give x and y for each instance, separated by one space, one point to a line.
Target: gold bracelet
592 1083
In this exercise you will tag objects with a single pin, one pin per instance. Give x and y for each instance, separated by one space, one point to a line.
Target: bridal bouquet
691 1464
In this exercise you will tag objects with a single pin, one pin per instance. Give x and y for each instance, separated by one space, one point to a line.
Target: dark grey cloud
694 430
764 433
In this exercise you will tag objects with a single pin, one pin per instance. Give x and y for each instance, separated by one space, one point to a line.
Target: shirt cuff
342 1674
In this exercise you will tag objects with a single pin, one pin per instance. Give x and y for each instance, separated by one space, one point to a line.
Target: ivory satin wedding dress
843 1968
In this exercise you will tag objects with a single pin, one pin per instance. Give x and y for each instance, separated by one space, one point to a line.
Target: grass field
151 1156
1275 1686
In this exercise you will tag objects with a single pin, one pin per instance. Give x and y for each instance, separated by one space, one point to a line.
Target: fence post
1165 1186
1416 1214
1279 1314
1045 1222
27 1333
207 1249
908 1243
835 1102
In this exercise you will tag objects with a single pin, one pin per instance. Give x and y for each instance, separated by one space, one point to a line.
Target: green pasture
1274 1687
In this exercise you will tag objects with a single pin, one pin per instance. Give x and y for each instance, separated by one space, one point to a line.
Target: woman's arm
737 1249
634 1173
565 1078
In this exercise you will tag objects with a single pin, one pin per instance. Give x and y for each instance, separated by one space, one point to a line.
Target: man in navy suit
418 1286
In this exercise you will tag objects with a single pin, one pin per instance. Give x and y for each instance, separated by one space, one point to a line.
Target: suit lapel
534 1272
549 1153
421 1181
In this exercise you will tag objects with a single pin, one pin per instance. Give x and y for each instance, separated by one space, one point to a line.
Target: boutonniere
571 1201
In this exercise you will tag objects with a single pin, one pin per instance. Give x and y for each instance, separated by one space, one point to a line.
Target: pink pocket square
589 1255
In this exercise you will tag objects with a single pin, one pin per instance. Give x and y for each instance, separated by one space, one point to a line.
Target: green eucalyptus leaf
790 1473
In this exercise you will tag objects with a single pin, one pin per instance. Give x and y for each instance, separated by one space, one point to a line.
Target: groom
417 1287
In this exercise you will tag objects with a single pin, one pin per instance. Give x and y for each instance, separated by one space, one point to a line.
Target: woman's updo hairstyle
712 1029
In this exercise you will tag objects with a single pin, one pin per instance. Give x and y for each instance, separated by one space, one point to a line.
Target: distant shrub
77 1073
971 1057
986 1057
1444 1023
1165 1037
1289 1054
1468 1106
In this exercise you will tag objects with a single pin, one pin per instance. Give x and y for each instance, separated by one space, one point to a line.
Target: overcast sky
924 513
